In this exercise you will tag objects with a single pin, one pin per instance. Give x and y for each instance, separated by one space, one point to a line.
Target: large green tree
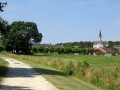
2 5
3 27
21 36
3 23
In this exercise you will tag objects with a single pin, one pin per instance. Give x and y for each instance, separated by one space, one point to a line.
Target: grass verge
3 69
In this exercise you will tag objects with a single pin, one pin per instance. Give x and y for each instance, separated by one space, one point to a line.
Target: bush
69 69
40 49
34 49
85 65
2 48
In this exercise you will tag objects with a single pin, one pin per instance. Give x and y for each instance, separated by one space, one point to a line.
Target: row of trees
66 50
79 44
112 43
86 44
19 36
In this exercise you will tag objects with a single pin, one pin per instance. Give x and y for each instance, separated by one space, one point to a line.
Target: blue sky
68 20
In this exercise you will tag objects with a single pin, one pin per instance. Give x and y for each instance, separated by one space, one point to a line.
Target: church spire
100 34
100 37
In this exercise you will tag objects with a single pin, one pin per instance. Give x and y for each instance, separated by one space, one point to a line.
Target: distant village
100 47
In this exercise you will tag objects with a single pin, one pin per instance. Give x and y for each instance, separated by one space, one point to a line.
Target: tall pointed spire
100 37
100 34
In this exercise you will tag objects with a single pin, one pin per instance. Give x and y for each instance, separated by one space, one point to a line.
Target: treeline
87 44
65 50
81 44
82 48
112 43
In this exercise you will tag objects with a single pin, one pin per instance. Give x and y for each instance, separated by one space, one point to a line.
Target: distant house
103 51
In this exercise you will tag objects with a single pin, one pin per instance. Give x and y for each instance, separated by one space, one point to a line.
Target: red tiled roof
106 50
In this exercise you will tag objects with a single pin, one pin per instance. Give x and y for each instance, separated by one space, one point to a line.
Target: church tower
99 43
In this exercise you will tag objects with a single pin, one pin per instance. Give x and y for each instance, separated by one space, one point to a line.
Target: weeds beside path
3 69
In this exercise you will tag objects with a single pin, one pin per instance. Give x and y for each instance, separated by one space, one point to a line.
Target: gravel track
21 76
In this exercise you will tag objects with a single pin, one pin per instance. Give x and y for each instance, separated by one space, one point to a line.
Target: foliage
3 27
34 49
65 50
40 49
2 5
79 44
112 43
3 69
2 48
59 50
3 23
21 36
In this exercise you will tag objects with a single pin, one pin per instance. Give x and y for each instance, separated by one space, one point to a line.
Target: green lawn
3 69
105 70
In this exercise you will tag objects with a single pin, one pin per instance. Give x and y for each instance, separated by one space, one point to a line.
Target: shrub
85 65
40 49
34 49
2 48
70 68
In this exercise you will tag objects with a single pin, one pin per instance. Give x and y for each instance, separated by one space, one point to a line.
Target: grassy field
96 62
68 72
3 69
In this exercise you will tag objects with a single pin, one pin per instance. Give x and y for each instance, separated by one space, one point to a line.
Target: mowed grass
104 72
3 69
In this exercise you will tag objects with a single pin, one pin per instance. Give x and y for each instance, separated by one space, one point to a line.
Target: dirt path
22 77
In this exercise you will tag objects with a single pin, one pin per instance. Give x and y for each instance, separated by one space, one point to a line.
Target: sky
62 21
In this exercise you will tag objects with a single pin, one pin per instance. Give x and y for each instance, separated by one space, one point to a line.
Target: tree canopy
3 23
3 26
21 36
2 5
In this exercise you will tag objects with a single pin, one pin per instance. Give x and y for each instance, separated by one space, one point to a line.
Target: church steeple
100 37
99 43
